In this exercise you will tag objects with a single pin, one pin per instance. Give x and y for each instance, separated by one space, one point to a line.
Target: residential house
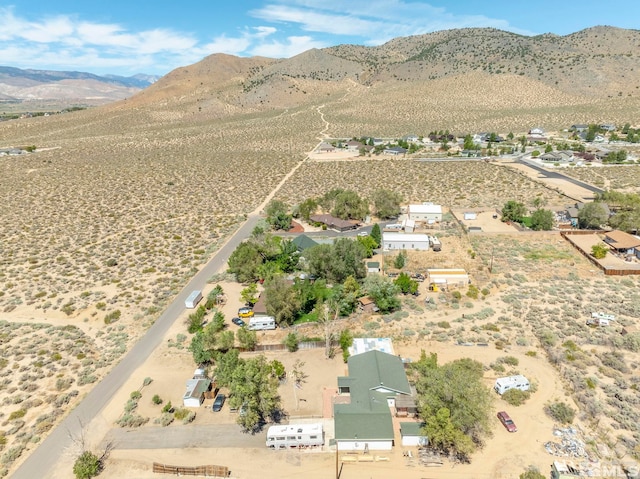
303 242
353 145
362 419
557 156
579 127
405 241
411 138
536 132
334 223
572 215
395 151
622 242
425 212
325 147
608 127
260 308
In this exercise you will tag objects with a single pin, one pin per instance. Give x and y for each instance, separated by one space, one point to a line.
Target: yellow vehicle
245 312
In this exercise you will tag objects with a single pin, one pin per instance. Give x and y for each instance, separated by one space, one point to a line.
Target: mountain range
17 84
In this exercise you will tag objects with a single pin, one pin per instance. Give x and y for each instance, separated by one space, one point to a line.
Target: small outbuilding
373 266
449 278
196 389
412 435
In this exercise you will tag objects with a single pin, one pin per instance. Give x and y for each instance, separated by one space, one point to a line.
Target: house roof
379 371
261 305
196 388
621 240
365 300
332 221
406 237
366 425
373 264
428 208
411 428
303 242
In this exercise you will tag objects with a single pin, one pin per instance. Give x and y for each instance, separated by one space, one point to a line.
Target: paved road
40 462
559 176
204 436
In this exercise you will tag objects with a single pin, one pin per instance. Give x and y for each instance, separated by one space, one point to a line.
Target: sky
125 37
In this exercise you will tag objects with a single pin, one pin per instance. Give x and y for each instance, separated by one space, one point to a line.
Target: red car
507 422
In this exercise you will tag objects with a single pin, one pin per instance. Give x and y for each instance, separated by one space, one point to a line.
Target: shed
408 225
424 212
194 395
406 406
412 435
373 266
451 277
470 216
405 241
367 305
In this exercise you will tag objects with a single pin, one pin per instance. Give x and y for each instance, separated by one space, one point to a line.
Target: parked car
238 322
507 422
245 312
218 402
363 233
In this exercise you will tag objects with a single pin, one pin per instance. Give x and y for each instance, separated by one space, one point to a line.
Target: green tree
88 465
400 261
468 143
376 234
245 262
532 472
510 136
307 208
249 295
368 243
247 339
214 297
386 203
281 300
348 205
337 261
513 211
445 436
405 284
542 220
593 215
383 292
278 215
599 251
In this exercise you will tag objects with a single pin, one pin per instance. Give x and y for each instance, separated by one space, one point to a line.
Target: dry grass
619 177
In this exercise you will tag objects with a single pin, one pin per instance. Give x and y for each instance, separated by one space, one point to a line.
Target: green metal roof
303 242
411 428
379 371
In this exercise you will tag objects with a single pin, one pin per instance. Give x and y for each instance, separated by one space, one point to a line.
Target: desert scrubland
104 223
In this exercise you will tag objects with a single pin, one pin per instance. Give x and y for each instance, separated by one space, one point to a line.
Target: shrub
181 413
510 360
135 395
157 400
168 407
291 342
456 295
87 466
516 397
17 414
112 317
165 419
444 324
473 292
189 417
146 381
132 420
531 354
561 412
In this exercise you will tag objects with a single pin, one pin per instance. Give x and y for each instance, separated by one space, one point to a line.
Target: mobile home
194 298
295 435
435 243
518 381
262 323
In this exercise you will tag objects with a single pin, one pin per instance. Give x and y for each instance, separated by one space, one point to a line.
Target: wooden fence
207 471
608 270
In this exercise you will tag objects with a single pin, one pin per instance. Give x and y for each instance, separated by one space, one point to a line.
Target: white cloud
284 49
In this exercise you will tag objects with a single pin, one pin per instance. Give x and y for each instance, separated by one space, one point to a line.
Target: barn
425 212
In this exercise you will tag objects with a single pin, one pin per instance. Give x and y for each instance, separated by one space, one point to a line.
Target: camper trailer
260 323
194 298
502 385
435 243
295 435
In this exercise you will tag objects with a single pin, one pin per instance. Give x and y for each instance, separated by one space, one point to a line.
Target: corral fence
282 347
206 471
608 271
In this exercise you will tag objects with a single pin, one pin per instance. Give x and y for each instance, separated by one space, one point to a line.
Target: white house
424 212
412 435
404 241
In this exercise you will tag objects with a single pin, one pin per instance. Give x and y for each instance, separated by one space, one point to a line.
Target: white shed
194 395
404 241
451 277
424 212
470 216
411 433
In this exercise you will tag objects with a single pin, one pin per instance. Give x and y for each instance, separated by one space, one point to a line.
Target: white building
448 277
518 381
194 395
295 435
404 241
425 212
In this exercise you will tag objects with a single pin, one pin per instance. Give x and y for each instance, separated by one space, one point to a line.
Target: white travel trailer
194 298
518 381
295 435
259 323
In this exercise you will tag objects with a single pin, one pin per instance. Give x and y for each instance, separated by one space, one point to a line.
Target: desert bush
181 413
112 317
146 381
510 360
168 408
135 395
561 412
164 420
157 400
20 413
189 418
291 342
132 420
87 466
516 397
12 454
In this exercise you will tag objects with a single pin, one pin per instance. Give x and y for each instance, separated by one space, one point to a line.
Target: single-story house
412 435
303 242
448 277
580 127
354 145
608 127
622 242
374 382
334 223
424 212
373 266
260 308
364 345
395 151
411 138
557 156
572 215
194 395
405 241
536 131
325 147
367 305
